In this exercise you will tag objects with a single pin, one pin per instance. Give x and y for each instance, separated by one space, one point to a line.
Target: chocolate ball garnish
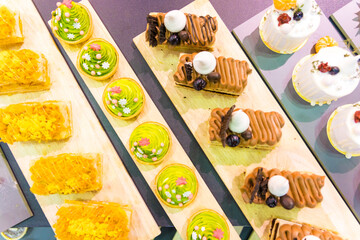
287 202
184 35
232 140
199 84
214 77
174 40
271 201
298 15
246 135
334 70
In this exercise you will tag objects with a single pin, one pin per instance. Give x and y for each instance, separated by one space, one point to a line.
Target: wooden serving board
232 163
88 135
124 128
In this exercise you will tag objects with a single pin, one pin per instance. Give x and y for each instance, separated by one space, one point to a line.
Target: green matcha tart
124 98
207 225
71 22
150 143
176 185
98 59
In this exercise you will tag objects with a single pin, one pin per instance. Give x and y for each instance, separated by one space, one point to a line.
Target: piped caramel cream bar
245 127
35 121
302 190
23 71
227 76
181 30
285 230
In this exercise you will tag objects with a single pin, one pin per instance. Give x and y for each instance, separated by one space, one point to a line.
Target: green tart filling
124 98
70 21
150 142
98 58
207 225
177 185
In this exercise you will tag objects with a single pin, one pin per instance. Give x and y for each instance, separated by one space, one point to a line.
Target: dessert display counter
247 152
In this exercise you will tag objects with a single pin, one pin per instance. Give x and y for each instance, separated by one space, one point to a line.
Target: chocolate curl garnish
257 184
188 70
225 125
152 31
263 188
162 36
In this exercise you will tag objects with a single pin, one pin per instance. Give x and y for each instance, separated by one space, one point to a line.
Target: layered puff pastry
36 121
67 173
23 71
93 220
11 30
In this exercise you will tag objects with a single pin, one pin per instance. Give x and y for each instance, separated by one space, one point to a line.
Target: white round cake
343 129
326 76
287 31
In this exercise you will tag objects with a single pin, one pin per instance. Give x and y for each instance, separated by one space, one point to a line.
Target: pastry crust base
86 36
18 37
43 83
208 210
116 116
106 76
65 110
165 156
97 161
165 202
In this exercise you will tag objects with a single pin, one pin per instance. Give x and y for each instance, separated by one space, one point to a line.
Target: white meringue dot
175 21
278 185
239 122
204 62
310 237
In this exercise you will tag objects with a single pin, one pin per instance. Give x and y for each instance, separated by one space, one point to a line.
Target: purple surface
125 20
349 19
13 208
277 69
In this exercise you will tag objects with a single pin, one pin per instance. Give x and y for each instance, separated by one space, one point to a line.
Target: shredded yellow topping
21 67
66 173
92 221
7 22
31 122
